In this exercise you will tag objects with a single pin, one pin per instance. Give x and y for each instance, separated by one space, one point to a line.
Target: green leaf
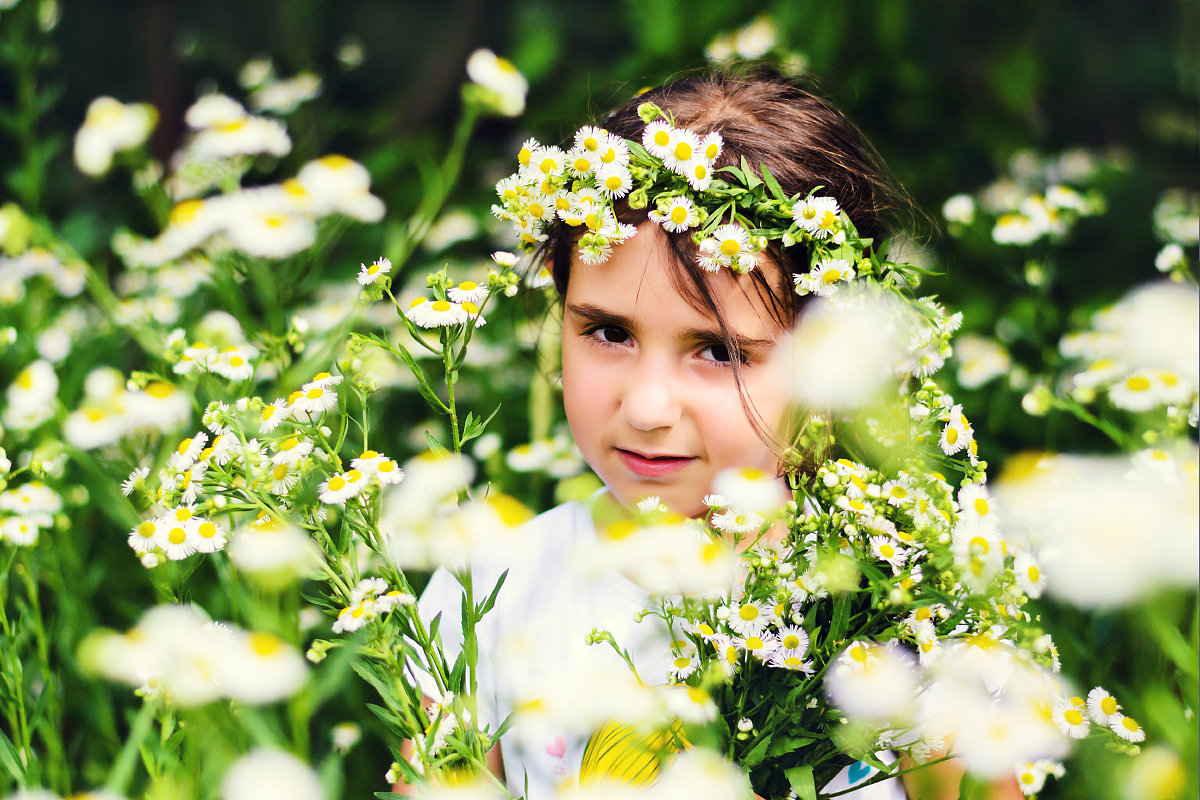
434 444
802 783
9 757
751 179
487 604
773 185
758 752
841 617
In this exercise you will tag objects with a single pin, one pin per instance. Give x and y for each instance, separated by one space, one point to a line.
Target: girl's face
648 385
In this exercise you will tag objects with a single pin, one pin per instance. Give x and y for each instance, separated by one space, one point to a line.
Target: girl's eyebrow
597 315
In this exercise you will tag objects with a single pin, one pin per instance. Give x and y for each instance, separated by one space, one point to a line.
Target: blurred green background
946 91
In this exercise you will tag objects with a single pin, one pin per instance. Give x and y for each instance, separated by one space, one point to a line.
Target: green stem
122 771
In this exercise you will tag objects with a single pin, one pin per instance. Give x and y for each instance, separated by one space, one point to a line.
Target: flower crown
732 212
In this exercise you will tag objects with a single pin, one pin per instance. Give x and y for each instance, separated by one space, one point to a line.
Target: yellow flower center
582 165
679 215
441 306
264 644
1137 383
748 612
1108 705
183 514
612 183
208 530
146 529
662 138
683 151
176 536
590 143
159 389
711 151
337 483
951 435
791 641
730 247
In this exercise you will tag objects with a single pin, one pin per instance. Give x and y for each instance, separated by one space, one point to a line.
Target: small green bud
639 198
648 112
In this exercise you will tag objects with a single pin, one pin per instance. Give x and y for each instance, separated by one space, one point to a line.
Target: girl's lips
656 467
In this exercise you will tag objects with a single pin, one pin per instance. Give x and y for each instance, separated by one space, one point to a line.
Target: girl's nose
650 399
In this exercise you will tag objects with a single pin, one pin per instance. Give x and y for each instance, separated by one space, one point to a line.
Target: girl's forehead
643 281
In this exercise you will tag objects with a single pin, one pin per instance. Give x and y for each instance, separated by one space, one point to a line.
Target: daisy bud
638 199
648 112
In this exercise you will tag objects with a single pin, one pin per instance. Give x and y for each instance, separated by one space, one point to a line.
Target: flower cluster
371 598
672 171
1141 352
177 651
1039 199
110 127
26 510
272 221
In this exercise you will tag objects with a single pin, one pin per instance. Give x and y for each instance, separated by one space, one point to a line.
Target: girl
668 368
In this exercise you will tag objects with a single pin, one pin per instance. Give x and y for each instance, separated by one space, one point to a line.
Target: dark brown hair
769 121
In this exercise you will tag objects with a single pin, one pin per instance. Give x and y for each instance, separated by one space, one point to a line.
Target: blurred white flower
960 208
1104 532
286 95
267 774
111 126
980 360
874 683
274 553
844 349
505 85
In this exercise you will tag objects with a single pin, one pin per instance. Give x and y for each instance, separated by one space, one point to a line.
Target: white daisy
209 537
822 280
816 215
281 479
504 258
748 618
435 313
590 138
471 311
887 550
957 434
291 450
144 537
337 490
974 500
314 401
761 646
371 273
175 540
136 478
188 451
677 215
896 493
684 147
1102 707
1127 728
793 641
233 362
613 150
1030 577
682 666
389 473
613 180
738 523
1070 718
1137 392
546 161
468 292
273 414
710 146
699 173
582 161
656 138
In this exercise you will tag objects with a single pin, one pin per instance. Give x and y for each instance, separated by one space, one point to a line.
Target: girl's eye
718 354
608 334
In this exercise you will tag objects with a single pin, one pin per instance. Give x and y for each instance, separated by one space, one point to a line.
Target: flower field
274 350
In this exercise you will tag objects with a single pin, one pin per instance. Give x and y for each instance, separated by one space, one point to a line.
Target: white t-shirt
562 607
